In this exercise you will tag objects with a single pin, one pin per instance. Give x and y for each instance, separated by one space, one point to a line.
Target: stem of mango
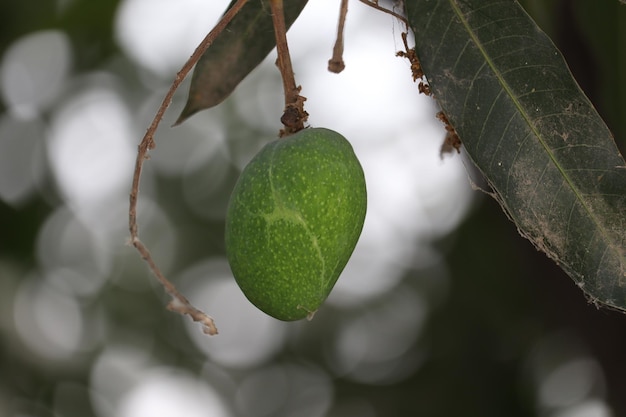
294 115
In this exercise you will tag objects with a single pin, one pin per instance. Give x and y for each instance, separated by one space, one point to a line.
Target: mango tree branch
178 303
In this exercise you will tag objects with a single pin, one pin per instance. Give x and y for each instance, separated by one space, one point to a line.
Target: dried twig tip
336 64
180 305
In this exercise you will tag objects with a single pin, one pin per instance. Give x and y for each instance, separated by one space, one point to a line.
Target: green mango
293 220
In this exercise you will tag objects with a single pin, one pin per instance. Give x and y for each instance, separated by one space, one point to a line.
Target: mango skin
294 218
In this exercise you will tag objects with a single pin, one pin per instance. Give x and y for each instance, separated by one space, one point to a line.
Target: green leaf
550 159
239 49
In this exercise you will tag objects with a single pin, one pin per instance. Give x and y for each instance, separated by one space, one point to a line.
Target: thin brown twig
294 115
179 303
335 63
375 5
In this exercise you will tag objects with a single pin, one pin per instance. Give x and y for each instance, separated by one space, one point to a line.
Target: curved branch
179 303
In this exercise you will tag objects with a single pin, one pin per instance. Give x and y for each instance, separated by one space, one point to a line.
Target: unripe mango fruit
293 220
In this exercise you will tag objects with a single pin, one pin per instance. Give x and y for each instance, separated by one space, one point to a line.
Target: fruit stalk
294 115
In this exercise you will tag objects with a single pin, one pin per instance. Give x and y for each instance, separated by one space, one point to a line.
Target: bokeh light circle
33 71
247 336
140 24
